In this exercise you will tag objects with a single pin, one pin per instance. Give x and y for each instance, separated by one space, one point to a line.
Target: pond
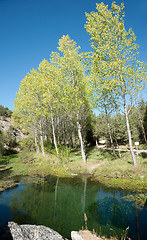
60 203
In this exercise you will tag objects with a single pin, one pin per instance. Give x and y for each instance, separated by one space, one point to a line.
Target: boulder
84 235
75 236
13 231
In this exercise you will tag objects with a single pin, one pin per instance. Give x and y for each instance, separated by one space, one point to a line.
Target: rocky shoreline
13 231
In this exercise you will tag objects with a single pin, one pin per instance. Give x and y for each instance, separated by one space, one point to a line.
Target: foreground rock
84 235
13 231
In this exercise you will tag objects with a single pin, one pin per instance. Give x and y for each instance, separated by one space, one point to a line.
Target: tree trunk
71 140
117 144
143 130
64 141
109 130
58 122
128 130
75 140
41 139
81 141
96 142
54 137
118 147
36 139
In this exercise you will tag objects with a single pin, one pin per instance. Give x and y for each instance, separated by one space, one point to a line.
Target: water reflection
56 195
61 204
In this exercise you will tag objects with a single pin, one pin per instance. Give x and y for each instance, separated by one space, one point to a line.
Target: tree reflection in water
61 204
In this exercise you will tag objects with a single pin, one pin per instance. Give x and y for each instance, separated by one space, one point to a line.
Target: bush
48 147
142 147
27 143
64 153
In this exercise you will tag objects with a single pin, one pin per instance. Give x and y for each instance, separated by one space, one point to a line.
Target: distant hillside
5 111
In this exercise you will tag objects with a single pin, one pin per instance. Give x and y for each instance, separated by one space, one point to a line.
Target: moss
123 183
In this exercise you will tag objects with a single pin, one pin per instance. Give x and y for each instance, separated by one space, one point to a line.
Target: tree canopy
55 101
115 65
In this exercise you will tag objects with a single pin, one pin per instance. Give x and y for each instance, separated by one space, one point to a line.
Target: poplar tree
75 86
115 54
28 107
50 78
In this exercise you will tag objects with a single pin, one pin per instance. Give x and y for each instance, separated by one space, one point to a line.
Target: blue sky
30 30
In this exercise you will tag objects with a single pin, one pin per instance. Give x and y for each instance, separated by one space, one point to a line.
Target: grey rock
28 232
76 236
6 123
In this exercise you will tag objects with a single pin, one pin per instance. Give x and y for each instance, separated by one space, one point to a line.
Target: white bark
81 141
41 139
36 139
54 137
109 130
96 142
58 122
128 130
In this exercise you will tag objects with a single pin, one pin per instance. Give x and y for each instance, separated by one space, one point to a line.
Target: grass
101 165
112 171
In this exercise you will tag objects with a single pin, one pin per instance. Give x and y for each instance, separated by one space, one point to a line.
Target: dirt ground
91 167
87 235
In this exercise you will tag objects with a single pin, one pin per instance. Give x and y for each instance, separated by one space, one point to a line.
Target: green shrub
64 153
48 146
142 147
27 143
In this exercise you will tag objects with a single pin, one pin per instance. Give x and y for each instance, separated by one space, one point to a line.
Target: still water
60 203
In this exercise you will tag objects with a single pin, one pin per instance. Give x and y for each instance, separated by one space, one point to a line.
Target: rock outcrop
6 123
13 231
